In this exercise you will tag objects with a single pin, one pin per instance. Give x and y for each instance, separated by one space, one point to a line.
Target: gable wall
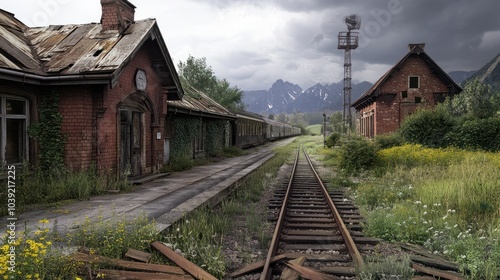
392 108
108 124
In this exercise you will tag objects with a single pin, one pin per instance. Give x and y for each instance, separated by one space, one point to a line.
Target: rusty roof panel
6 63
67 60
12 42
197 101
76 49
124 48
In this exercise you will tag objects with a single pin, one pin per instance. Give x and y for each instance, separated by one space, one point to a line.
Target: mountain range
286 97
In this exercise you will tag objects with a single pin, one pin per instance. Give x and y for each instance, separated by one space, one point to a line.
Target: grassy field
446 200
314 129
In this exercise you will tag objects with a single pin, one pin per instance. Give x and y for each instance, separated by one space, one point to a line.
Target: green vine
184 131
214 141
48 133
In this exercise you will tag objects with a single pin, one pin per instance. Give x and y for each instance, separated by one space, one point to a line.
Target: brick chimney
116 14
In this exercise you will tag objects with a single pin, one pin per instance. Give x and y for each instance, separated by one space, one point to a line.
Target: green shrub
356 155
477 134
332 139
385 141
428 127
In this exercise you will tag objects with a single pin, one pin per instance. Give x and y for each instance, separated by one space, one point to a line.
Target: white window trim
413 76
3 119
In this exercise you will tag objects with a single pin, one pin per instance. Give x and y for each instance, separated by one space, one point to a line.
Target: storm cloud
252 43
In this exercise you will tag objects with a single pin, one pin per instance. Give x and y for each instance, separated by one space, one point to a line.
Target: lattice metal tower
348 41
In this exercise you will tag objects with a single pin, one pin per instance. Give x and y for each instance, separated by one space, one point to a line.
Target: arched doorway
132 115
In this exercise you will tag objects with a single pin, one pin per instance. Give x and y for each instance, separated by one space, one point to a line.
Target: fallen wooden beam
123 275
438 273
309 273
290 274
183 263
128 264
255 266
138 255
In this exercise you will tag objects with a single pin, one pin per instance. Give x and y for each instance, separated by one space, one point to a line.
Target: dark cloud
317 39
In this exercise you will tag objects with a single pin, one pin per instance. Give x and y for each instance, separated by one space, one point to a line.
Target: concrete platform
165 199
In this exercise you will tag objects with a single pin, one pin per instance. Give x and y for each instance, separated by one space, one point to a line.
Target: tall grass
35 187
445 199
199 236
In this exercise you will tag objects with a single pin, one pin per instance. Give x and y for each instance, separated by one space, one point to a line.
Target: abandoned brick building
416 81
113 79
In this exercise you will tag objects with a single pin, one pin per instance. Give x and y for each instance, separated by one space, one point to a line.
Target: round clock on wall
140 80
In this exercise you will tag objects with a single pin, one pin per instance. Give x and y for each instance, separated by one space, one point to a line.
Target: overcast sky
252 43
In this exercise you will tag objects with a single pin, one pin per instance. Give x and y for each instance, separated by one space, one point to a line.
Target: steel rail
351 246
266 272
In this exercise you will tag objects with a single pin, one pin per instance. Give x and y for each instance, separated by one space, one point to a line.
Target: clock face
140 80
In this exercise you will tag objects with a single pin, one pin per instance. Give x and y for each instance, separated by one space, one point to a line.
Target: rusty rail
351 245
266 273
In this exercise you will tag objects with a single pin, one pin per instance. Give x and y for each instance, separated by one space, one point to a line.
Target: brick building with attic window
113 79
415 82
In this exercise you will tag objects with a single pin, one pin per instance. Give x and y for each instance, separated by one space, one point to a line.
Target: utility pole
324 130
348 41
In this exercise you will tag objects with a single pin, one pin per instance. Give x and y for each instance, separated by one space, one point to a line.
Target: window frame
3 126
410 82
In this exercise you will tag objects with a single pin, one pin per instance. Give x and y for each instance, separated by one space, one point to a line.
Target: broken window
13 127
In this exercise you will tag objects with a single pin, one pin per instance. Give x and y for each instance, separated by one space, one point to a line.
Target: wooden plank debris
138 255
437 273
183 263
309 273
123 274
128 264
255 266
290 274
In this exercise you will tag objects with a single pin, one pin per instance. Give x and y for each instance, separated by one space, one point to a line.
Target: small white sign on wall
158 135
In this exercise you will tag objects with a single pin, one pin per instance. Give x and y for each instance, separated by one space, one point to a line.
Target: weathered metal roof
16 52
196 102
80 50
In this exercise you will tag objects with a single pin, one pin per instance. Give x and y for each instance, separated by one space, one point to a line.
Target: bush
477 134
385 141
332 139
428 127
357 155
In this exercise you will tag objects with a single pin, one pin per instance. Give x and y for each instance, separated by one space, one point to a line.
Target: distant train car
277 130
249 129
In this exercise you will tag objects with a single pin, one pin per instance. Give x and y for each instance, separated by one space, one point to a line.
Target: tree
227 96
281 118
477 101
197 74
336 120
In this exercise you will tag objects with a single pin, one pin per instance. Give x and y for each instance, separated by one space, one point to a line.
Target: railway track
321 230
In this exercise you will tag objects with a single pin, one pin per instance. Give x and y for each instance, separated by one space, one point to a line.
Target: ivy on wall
47 132
214 142
185 130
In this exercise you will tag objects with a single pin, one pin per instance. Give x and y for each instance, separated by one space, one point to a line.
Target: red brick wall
75 105
391 108
115 14
108 125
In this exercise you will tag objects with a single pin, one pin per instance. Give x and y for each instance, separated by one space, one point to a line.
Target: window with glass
13 129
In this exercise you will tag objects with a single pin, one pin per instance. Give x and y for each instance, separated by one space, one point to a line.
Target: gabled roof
197 103
79 53
415 50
